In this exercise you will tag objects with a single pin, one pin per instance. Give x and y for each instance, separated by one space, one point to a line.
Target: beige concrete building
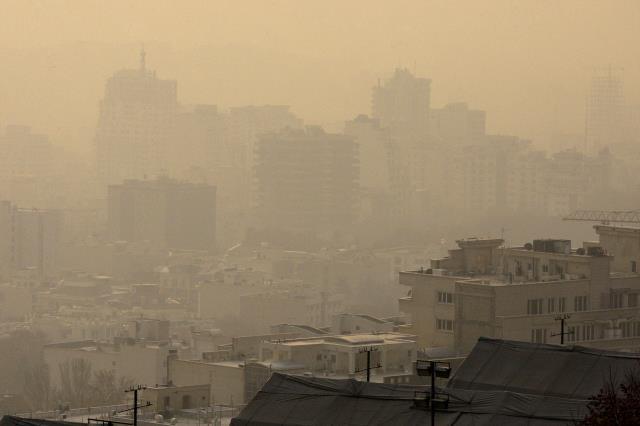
167 398
226 379
430 300
623 244
338 355
517 293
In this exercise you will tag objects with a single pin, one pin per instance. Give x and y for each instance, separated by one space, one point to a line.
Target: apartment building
430 299
170 213
306 180
519 293
623 244
135 124
31 239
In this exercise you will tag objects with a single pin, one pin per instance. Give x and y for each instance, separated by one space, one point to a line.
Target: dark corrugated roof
23 421
551 370
291 400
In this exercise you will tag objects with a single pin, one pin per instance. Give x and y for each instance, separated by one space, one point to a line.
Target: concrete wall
424 309
226 379
623 243
170 398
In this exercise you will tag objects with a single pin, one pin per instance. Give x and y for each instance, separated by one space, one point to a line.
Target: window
615 300
539 335
588 332
445 297
581 303
630 329
562 305
634 266
534 306
545 268
444 324
551 304
579 333
632 301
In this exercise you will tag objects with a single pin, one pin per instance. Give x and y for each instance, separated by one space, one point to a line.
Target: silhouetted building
607 115
30 239
456 124
135 125
306 180
166 212
27 166
403 102
373 151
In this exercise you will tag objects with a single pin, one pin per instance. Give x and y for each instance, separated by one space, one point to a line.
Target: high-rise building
135 125
306 180
373 149
165 212
607 116
30 239
199 130
27 166
403 102
457 124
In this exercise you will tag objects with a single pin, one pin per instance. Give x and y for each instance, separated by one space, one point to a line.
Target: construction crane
605 217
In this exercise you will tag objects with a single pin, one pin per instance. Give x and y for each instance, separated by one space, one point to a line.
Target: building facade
306 180
166 212
518 293
135 125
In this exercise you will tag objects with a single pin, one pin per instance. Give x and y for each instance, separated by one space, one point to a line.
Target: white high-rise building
135 126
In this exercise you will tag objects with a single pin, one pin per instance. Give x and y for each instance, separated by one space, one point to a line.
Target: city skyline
526 60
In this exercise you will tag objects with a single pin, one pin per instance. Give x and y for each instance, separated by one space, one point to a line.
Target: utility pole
368 367
562 319
433 365
135 390
431 368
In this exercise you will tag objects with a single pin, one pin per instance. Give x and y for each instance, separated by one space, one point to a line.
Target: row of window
580 333
575 333
616 300
445 297
536 306
444 324
630 329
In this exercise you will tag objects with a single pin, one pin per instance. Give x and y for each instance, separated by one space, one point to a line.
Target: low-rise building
339 354
226 379
168 398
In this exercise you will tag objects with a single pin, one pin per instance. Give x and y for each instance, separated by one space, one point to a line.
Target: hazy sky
527 63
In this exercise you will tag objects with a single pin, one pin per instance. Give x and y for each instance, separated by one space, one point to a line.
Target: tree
75 386
108 389
80 387
617 403
37 386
